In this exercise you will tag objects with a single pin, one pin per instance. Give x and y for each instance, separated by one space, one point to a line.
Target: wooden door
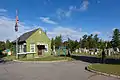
39 51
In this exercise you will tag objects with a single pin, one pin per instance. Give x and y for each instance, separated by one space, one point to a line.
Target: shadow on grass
91 59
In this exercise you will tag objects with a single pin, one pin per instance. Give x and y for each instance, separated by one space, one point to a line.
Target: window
39 32
24 48
32 47
46 48
20 48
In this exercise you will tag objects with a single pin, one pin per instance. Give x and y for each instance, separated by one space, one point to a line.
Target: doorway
40 49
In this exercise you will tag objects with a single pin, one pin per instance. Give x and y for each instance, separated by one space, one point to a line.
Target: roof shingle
25 36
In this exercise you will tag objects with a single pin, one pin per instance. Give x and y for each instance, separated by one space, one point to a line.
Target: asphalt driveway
48 71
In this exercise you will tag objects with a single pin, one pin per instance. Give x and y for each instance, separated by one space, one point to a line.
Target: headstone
84 50
87 51
95 53
109 52
92 53
54 50
69 52
76 50
79 51
118 50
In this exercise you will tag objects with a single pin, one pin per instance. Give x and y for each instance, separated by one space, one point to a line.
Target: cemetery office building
35 41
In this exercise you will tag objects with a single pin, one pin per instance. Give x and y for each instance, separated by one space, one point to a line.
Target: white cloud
83 6
68 13
114 29
3 10
63 13
96 32
48 20
66 33
7 29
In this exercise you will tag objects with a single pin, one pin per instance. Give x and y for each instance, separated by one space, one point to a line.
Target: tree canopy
88 41
116 38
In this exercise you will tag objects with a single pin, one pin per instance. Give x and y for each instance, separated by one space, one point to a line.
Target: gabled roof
25 36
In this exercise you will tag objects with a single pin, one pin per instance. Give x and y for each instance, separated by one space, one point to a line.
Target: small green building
35 41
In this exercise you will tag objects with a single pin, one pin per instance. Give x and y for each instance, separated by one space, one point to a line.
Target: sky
70 18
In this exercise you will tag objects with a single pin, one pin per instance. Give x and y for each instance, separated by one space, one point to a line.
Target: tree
76 44
84 43
65 43
8 44
109 45
58 41
71 45
90 41
96 39
101 44
80 42
116 38
2 45
52 43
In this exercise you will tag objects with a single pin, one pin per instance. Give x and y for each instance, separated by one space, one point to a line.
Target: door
40 49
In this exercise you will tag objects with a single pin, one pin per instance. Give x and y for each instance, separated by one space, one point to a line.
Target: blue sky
71 18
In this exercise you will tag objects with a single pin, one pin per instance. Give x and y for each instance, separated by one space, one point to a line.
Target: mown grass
9 58
106 68
42 58
48 58
87 54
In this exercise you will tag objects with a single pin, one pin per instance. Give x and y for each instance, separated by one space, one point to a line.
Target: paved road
48 71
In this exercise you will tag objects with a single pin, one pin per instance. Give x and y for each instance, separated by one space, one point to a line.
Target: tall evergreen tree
109 45
58 41
52 43
8 44
84 43
90 41
116 38
96 39
76 44
2 45
71 45
101 44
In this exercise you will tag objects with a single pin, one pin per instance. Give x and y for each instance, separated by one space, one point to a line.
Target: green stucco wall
36 38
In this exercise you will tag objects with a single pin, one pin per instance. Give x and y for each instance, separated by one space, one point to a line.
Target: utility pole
16 30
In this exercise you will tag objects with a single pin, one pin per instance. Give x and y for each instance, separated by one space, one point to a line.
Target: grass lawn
42 58
87 54
9 58
48 58
106 68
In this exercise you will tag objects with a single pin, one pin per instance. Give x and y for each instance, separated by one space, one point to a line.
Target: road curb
101 73
41 61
